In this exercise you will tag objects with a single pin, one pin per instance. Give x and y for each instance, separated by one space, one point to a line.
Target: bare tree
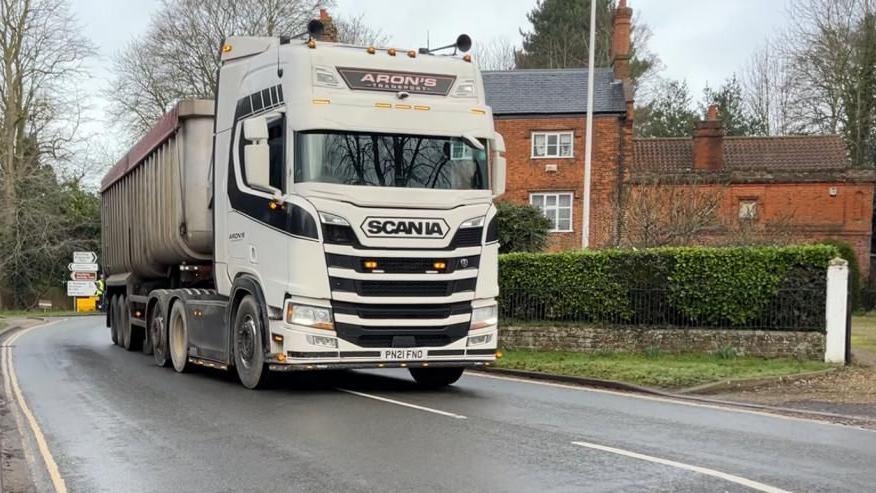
178 56
496 54
663 212
831 55
767 90
356 31
43 52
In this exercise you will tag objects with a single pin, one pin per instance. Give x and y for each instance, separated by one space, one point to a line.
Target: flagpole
588 140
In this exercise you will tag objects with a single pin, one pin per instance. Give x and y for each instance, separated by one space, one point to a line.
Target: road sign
45 305
83 276
86 304
84 257
82 267
81 288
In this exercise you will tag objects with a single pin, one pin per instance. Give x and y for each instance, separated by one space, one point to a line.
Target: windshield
390 160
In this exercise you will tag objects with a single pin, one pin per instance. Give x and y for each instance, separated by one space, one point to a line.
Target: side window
276 152
277 145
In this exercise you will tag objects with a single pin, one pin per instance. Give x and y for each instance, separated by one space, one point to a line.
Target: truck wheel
178 337
114 324
249 355
158 335
127 335
434 378
145 340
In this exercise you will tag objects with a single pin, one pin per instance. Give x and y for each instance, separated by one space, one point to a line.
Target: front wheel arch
245 284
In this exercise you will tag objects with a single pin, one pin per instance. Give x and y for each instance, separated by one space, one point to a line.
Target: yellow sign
86 304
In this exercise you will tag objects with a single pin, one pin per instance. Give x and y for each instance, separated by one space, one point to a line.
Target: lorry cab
351 191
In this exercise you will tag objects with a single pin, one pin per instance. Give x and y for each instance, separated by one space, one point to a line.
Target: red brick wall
526 175
801 212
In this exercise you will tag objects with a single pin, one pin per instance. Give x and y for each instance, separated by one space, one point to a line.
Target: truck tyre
433 378
127 332
249 357
114 324
158 335
178 337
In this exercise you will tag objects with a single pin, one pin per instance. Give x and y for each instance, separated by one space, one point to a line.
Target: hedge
745 287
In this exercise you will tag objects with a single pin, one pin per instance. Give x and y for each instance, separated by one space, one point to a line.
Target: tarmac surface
113 421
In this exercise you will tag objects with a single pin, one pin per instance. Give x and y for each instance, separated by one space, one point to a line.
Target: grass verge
668 371
864 332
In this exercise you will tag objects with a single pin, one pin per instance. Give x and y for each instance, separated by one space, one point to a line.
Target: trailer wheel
434 378
127 334
114 324
249 357
158 334
178 337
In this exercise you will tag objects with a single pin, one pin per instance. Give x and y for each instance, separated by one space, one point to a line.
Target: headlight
475 222
309 316
484 316
329 218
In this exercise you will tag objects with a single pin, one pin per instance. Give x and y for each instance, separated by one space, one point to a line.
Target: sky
700 41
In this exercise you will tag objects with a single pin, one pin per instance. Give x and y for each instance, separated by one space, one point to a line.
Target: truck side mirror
256 155
497 173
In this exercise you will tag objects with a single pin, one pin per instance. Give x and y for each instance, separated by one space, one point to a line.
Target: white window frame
558 135
748 209
556 208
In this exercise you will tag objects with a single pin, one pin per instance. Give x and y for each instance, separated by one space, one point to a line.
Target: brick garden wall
803 345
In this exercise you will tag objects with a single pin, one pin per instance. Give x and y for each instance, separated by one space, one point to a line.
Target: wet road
115 422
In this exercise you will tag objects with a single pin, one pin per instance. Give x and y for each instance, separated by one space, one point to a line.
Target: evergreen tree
732 110
669 112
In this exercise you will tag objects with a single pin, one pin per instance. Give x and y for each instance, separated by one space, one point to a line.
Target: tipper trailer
332 208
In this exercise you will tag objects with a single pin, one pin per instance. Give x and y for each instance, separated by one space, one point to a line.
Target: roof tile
809 152
552 91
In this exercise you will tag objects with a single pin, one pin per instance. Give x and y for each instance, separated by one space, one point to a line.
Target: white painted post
837 299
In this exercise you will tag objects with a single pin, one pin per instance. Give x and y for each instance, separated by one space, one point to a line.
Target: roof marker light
391 52
226 48
467 57
412 53
371 50
311 44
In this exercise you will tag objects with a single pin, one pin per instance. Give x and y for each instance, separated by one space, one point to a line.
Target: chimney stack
620 41
330 32
708 142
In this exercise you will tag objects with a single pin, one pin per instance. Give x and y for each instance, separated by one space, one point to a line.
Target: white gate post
836 311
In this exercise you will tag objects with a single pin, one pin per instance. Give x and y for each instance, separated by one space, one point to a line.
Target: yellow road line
12 388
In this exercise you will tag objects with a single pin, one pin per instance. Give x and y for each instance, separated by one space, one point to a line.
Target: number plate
403 354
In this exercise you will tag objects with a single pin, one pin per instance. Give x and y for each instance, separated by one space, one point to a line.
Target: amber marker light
370 264
499 354
226 48
412 53
467 58
311 44
281 357
383 105
371 50
391 52
273 205
439 265
422 107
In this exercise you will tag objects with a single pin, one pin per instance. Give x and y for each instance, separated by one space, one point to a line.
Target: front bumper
293 351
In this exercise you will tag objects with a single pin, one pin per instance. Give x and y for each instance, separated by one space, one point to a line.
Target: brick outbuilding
801 187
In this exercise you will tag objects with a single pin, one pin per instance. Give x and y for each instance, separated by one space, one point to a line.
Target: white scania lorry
331 209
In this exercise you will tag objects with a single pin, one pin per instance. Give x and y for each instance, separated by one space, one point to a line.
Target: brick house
806 183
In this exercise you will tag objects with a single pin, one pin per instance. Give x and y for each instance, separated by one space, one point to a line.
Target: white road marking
405 404
681 402
12 389
748 483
